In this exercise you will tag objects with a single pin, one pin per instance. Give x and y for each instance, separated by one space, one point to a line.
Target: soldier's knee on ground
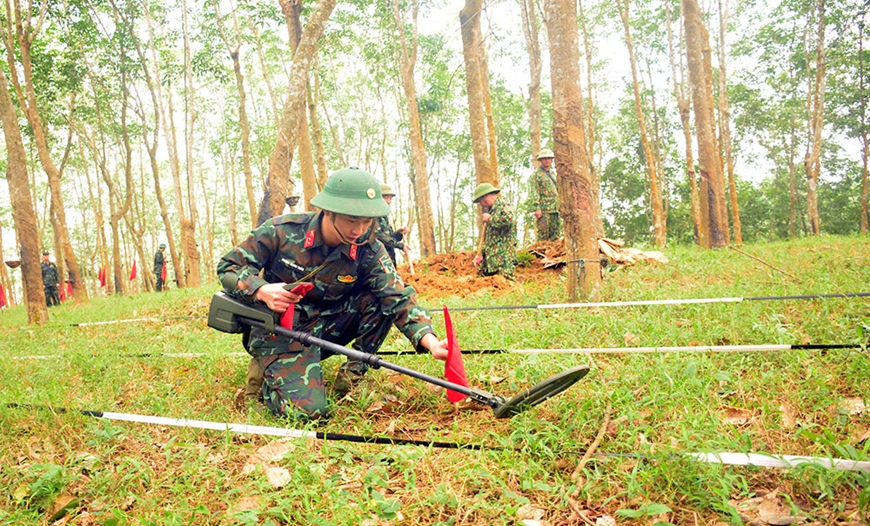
293 386
254 383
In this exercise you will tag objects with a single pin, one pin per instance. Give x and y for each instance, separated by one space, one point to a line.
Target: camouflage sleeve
538 191
500 216
396 298
249 257
386 235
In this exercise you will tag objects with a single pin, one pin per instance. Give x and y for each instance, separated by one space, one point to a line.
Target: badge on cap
371 193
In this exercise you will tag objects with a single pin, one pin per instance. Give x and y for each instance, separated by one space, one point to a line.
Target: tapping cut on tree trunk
576 193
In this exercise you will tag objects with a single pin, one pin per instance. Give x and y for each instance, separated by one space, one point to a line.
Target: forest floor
643 416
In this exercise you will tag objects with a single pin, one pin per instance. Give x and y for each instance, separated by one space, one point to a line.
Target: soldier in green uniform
159 261
499 253
356 293
392 239
545 199
50 281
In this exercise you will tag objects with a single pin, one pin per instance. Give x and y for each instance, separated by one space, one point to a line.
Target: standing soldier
160 266
50 281
499 253
545 199
392 239
354 294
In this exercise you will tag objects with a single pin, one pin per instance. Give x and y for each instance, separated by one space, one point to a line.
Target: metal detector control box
224 313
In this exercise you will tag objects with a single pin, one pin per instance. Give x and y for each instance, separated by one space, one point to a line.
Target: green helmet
545 154
482 190
387 190
352 192
161 245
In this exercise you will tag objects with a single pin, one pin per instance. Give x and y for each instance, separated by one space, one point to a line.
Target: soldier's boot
254 383
349 375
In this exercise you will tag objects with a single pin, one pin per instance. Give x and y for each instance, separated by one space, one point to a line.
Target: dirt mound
454 274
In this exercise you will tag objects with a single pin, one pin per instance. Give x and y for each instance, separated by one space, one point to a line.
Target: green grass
662 405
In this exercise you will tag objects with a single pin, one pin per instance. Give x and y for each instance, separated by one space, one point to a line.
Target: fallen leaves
771 509
736 416
264 457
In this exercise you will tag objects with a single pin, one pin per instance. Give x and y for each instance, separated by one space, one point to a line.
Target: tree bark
812 161
713 209
533 46
23 211
576 193
278 184
407 62
188 227
477 88
655 194
679 77
725 128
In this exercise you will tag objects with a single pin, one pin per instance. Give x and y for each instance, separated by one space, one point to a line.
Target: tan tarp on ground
552 253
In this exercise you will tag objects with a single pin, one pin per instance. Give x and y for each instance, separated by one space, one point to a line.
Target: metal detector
229 315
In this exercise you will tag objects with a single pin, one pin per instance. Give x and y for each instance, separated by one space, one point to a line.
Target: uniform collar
314 238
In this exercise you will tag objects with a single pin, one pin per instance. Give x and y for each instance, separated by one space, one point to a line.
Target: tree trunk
25 34
655 196
533 46
679 77
812 162
576 194
278 185
725 128
407 62
23 212
713 209
477 88
189 226
592 143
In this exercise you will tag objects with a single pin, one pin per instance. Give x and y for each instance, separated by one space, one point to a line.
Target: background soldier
392 239
545 199
356 293
50 281
159 266
499 253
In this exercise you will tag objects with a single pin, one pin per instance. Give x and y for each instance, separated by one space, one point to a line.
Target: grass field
641 413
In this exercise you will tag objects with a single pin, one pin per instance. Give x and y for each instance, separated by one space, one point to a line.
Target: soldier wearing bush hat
545 198
160 266
342 285
499 250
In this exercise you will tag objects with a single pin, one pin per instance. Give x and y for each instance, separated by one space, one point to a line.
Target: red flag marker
287 318
133 271
2 297
102 277
163 272
454 369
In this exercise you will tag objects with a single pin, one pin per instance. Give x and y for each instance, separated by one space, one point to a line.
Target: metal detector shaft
375 361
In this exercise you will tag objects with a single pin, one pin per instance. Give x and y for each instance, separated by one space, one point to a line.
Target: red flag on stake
69 291
454 369
63 293
133 271
287 318
163 272
2 297
102 277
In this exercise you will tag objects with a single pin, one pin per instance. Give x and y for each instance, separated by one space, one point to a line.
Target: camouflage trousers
500 260
547 227
292 382
52 296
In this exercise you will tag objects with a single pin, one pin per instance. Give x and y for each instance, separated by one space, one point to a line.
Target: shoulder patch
352 251
387 264
309 239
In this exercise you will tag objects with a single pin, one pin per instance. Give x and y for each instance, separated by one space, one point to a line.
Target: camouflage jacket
391 239
501 229
50 276
289 247
158 262
545 195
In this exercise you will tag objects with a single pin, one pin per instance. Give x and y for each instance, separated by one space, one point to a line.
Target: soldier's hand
538 214
407 250
404 230
478 259
276 297
437 347
485 217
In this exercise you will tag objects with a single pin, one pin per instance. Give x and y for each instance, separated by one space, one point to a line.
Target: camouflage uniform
545 197
499 242
391 239
159 261
357 295
50 281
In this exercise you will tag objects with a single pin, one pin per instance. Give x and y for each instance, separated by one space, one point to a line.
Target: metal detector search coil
228 315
